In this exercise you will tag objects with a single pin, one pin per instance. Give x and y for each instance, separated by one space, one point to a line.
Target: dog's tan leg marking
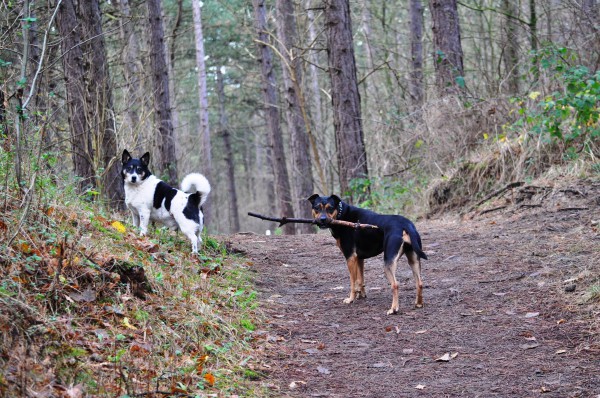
405 237
352 262
360 283
390 273
415 264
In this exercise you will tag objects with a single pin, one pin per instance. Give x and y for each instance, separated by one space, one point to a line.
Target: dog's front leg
352 263
144 216
360 282
135 218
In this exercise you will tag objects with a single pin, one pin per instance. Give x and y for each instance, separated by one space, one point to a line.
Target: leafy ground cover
88 308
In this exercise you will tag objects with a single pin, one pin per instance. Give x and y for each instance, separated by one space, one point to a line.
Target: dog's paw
392 311
418 305
348 300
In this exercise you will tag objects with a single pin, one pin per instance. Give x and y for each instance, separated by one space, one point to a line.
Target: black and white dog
150 199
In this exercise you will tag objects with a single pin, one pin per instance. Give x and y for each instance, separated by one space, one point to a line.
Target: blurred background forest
405 107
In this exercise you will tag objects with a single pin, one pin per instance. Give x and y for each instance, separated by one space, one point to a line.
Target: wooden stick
285 220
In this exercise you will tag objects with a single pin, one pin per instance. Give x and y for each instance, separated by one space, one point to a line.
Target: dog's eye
330 209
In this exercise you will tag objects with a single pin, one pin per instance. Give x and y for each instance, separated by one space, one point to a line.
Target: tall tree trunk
511 51
533 39
100 102
203 102
73 65
347 122
591 33
232 197
295 111
132 70
162 101
282 184
317 115
448 54
417 92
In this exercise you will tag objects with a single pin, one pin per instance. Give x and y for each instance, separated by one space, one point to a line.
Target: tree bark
295 111
282 184
232 197
511 51
162 101
203 102
317 115
72 60
345 97
89 98
132 71
448 54
417 92
100 102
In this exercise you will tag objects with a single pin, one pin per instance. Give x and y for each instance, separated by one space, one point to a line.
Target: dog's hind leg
352 263
394 248
360 281
415 264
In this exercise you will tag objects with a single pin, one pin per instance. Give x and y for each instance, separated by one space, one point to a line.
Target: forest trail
498 296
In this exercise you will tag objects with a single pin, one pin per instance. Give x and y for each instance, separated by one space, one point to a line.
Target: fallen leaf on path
407 351
380 365
444 358
560 321
420 387
529 346
560 352
309 341
210 378
421 331
454 355
532 314
323 370
530 338
127 324
294 384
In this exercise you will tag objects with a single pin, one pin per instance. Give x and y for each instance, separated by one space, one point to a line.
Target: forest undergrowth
89 308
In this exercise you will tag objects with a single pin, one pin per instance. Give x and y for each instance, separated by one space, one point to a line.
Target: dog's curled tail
196 183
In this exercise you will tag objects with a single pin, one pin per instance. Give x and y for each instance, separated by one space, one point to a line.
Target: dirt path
495 300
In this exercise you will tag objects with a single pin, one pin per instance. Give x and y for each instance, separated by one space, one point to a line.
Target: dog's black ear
336 199
312 198
145 158
126 157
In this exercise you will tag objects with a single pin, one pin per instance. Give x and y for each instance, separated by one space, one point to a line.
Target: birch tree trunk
203 102
448 54
295 111
347 122
282 184
162 101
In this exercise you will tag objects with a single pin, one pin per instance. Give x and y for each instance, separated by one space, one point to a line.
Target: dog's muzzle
323 222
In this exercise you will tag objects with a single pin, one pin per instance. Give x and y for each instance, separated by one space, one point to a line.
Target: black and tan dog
395 236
